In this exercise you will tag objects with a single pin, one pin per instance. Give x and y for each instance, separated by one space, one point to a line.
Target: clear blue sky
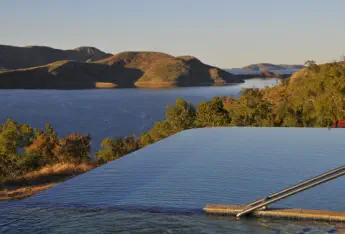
226 33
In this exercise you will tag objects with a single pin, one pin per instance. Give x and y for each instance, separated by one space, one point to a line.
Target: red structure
338 124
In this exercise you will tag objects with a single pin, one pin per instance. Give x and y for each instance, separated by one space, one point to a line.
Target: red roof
339 124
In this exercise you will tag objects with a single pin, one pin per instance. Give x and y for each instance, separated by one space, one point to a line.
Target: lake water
162 188
105 113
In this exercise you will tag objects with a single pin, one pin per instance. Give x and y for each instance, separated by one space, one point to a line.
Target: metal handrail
315 178
278 198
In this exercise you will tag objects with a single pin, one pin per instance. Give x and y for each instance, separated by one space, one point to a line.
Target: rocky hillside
127 69
159 69
13 57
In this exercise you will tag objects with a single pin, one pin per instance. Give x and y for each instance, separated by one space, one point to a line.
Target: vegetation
115 148
312 97
39 180
179 117
24 150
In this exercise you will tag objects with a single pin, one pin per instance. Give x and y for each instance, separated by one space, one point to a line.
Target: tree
116 148
76 148
8 164
311 64
30 161
180 116
212 114
9 137
47 145
105 154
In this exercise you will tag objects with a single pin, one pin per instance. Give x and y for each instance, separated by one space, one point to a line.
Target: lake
163 187
105 113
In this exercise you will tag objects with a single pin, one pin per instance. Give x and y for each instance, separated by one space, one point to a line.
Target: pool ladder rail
292 190
260 207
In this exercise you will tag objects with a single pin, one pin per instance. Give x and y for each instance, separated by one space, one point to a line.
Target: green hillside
313 96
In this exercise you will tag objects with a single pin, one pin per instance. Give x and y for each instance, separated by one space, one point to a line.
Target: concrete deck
285 213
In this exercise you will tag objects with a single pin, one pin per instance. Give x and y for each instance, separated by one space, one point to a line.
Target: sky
224 33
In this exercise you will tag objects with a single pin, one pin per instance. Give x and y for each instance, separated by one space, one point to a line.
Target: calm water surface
163 187
105 113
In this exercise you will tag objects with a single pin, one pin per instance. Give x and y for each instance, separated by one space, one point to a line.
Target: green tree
116 148
9 137
212 114
180 116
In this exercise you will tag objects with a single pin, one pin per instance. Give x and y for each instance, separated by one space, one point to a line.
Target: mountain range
37 67
41 67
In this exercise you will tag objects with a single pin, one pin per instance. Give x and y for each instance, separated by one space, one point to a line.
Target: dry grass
37 181
59 169
23 192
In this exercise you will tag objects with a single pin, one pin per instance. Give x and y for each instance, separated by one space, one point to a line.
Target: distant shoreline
143 85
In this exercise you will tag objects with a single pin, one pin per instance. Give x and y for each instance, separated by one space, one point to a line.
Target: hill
13 57
126 69
259 68
61 75
160 69
270 67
